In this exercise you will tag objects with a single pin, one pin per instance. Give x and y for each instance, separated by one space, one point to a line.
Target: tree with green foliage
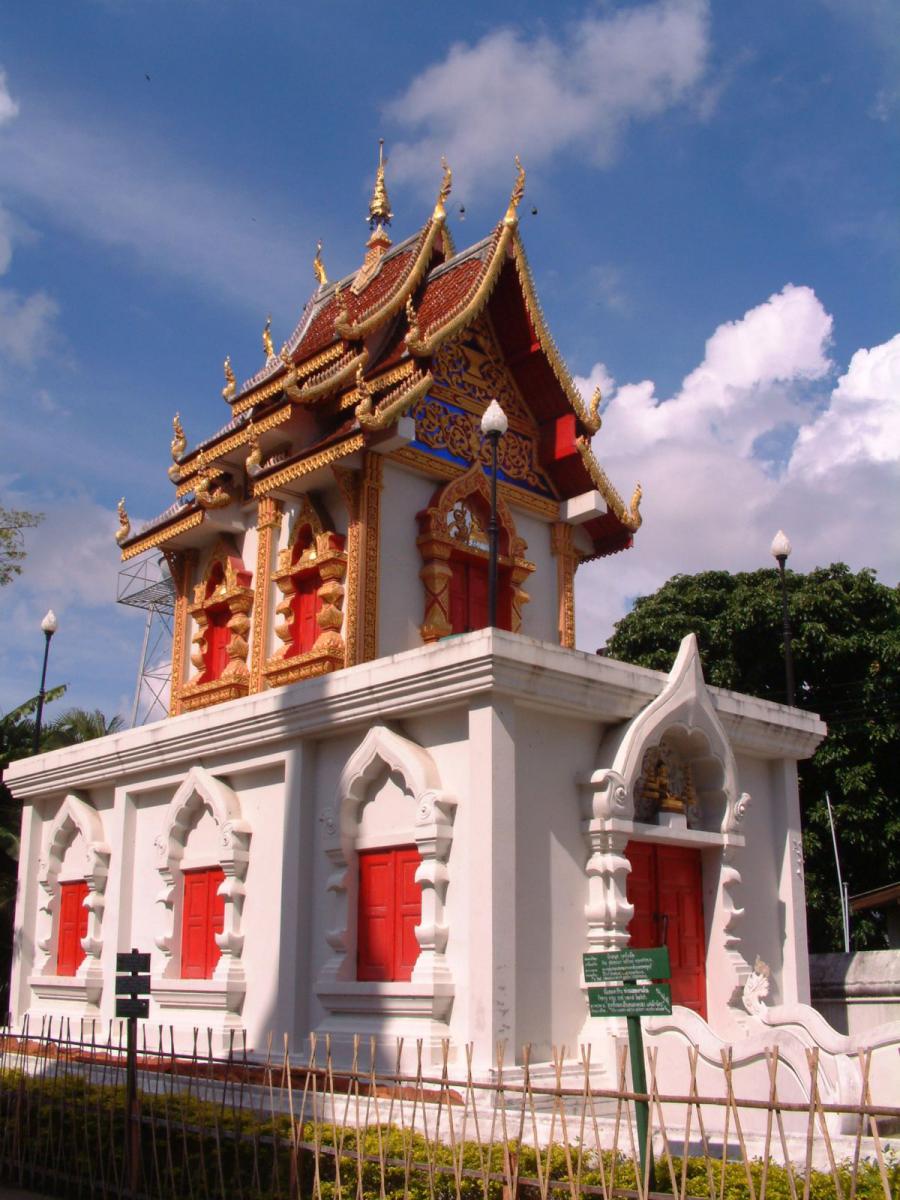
846 629
12 543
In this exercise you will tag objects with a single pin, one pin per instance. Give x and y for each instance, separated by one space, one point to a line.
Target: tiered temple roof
370 349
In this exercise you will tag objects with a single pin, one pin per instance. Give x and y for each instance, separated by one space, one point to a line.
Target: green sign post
624 994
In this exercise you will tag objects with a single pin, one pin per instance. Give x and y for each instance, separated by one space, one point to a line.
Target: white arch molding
75 816
430 990
683 710
200 790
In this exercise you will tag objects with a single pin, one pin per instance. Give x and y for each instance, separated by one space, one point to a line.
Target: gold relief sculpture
268 522
562 547
370 535
225 584
181 565
209 496
471 370
319 266
230 382
323 554
253 461
350 486
124 524
452 520
267 338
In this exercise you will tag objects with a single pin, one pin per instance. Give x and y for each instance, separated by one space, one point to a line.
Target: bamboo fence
283 1125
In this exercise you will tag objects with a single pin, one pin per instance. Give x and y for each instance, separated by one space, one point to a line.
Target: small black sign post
626 994
132 990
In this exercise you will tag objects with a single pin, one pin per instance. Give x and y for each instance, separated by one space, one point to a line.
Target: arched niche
387 757
452 528
223 600
204 798
77 821
672 764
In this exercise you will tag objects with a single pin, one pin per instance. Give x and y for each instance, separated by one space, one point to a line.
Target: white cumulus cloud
9 108
755 439
574 90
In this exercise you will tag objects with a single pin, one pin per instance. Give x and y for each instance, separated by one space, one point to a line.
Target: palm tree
81 725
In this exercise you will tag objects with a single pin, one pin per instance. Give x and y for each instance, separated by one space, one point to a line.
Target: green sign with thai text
620 966
631 1000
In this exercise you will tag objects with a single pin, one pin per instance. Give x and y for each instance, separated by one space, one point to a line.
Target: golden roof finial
379 206
517 193
230 382
595 420
179 441
124 524
413 333
319 266
267 338
635 506
340 303
446 184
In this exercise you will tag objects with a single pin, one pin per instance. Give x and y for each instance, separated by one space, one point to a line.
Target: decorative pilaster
562 547
182 568
350 485
435 575
608 911
370 533
268 522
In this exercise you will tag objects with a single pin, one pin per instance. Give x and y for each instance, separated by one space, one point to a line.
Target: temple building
368 813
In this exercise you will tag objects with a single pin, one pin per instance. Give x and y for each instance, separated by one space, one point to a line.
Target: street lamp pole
49 626
493 425
781 548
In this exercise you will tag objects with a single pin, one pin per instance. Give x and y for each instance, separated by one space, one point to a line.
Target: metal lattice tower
147 584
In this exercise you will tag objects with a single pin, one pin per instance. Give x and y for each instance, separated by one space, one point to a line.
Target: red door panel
218 635
73 919
306 604
666 888
202 917
390 908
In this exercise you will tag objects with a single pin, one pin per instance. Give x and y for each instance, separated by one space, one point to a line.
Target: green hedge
68 1136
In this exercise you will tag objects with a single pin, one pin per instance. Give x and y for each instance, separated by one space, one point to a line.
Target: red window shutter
459 596
306 605
478 594
218 635
73 919
409 911
641 891
390 907
202 917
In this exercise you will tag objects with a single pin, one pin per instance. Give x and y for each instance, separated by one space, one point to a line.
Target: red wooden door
202 917
73 919
306 605
666 888
218 635
390 908
469 595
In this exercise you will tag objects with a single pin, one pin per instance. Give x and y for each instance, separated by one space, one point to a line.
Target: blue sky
716 241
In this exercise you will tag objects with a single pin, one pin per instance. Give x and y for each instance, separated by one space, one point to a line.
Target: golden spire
179 441
267 338
319 266
230 382
446 183
379 206
517 193
594 419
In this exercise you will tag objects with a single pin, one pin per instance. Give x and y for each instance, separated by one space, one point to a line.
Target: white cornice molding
583 687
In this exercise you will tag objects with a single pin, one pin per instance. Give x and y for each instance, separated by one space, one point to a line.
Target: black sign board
132 1007
132 985
132 962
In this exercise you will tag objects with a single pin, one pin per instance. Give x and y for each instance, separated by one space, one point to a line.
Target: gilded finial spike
267 337
124 523
446 184
230 382
412 321
343 311
517 193
253 461
636 502
380 206
319 266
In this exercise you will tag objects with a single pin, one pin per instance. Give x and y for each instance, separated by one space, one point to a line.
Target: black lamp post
493 425
49 626
781 548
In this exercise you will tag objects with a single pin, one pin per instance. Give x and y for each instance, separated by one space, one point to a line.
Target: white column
490 862
25 925
786 831
288 932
